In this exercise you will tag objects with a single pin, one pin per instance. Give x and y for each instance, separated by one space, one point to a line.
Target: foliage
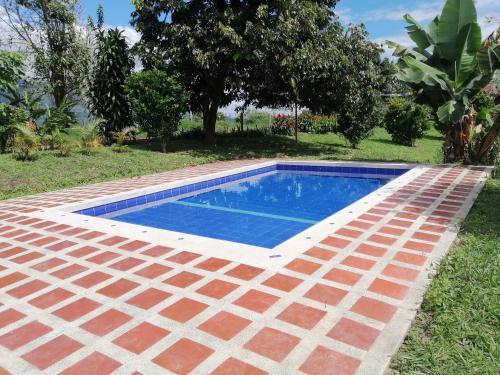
112 66
48 29
158 103
217 46
121 137
448 66
58 119
28 99
307 123
26 143
282 125
405 121
62 143
11 70
90 138
10 120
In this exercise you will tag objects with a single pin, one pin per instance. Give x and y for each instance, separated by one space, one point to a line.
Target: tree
212 44
112 66
448 66
158 103
48 30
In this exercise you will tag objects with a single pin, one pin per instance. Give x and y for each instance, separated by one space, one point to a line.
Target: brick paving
74 300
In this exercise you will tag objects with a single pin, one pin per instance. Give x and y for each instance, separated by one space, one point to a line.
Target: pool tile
224 325
51 352
149 298
326 294
303 266
96 361
272 343
301 315
183 310
233 366
141 337
217 289
256 300
353 333
183 356
106 322
326 361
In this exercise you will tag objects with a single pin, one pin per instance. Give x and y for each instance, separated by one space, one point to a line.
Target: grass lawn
457 330
50 172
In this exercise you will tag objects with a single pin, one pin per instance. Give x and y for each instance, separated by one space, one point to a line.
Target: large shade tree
447 67
213 44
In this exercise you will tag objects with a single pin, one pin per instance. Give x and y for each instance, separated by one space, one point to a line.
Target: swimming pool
262 207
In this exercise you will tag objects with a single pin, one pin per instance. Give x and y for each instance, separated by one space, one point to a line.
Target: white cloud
344 15
131 35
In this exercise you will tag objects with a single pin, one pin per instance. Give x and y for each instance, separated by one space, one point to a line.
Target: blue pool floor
264 211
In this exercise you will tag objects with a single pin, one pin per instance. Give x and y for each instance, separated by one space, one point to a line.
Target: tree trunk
209 120
296 127
242 113
456 146
488 142
164 141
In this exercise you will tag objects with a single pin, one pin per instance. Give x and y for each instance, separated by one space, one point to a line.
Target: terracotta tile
256 300
126 264
153 271
374 309
375 251
28 288
149 298
224 325
12 251
217 289
384 240
61 245
103 257
23 335
426 237
106 322
410 258
51 298
244 272
118 288
113 240
360 224
272 343
303 266
341 276
326 361
10 316
11 279
14 233
95 363
233 366
326 294
399 272
392 231
183 356
419 246
48 264
83 251
339 243
213 264
90 235
406 215
417 210
301 315
183 257
388 288
69 271
58 228
283 282
353 333
373 218
157 251
140 338
28 237
433 228
357 262
25 258
76 309
51 352
438 220
134 245
92 279
183 279
349 232
320 253
400 223
183 310
73 231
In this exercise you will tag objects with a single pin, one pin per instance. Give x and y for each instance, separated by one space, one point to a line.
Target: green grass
50 172
457 330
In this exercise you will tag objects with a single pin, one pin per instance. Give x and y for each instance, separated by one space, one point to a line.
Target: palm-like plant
447 67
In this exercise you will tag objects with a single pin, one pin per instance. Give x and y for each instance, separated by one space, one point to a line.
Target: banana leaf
469 43
417 33
450 112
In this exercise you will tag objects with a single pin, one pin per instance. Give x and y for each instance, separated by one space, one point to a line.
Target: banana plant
448 65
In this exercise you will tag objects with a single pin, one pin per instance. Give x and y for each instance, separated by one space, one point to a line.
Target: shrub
57 121
406 121
282 125
304 122
158 103
10 119
26 144
62 143
90 138
323 124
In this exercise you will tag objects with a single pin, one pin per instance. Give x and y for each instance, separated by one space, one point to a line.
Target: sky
382 18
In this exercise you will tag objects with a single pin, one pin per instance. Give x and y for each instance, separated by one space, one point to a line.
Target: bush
10 119
158 103
62 143
323 124
406 121
90 138
26 144
282 125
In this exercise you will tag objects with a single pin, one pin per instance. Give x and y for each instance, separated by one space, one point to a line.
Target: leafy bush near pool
405 121
307 123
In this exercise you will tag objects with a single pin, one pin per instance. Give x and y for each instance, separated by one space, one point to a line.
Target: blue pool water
264 211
